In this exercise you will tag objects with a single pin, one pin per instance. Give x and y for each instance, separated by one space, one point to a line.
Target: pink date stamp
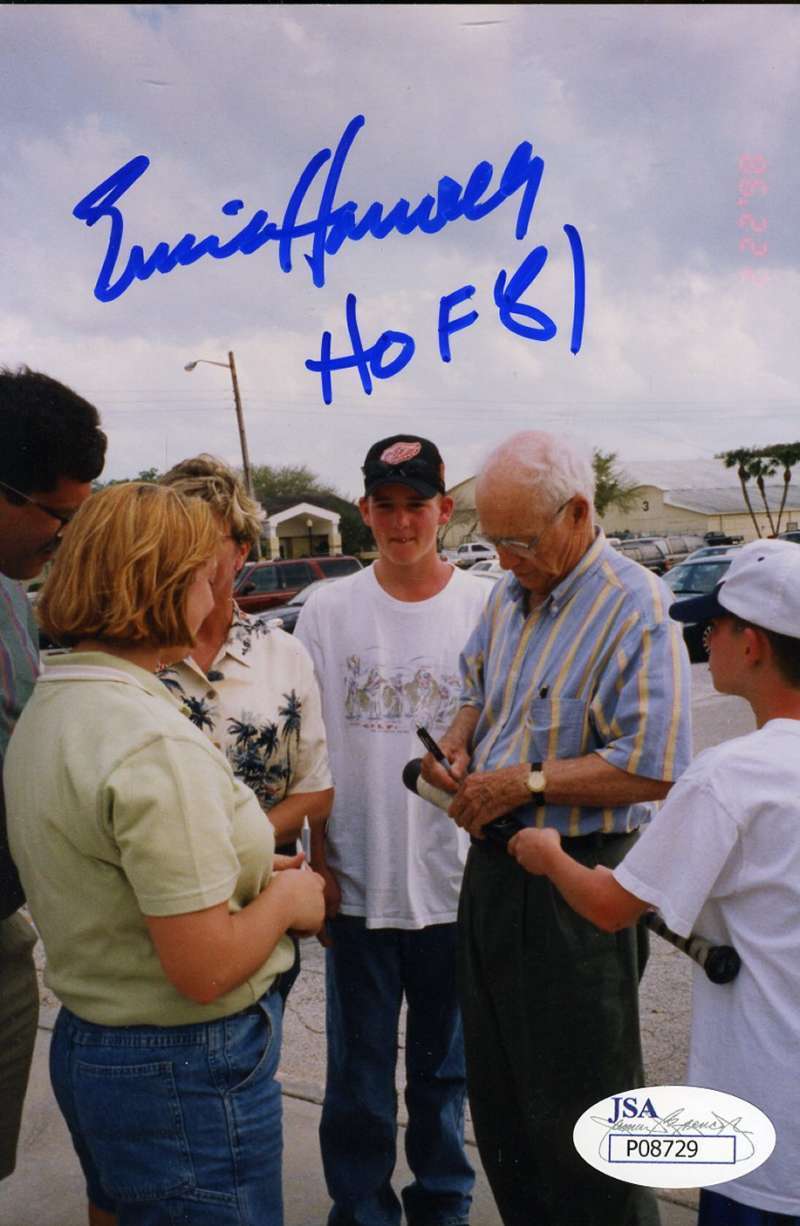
753 166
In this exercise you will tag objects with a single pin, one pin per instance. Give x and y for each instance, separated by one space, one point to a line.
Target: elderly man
575 715
50 449
735 872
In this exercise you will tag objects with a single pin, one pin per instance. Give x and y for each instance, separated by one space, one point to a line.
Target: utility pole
237 403
237 400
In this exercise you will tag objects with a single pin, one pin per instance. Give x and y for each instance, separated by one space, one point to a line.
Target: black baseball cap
404 459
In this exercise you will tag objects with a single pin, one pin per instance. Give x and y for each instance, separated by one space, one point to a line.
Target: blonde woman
247 684
150 875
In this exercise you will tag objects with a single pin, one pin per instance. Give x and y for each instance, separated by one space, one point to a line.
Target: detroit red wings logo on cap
398 453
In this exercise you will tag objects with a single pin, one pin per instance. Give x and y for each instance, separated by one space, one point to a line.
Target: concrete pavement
47 1187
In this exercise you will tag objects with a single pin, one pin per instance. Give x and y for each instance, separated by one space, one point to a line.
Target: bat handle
721 963
498 831
413 780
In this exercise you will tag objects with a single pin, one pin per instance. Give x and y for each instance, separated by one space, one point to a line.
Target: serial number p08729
622 1147
656 1147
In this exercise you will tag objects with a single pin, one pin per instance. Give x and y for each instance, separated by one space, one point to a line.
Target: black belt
502 829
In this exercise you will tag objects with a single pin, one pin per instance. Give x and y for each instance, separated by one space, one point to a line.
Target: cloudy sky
668 136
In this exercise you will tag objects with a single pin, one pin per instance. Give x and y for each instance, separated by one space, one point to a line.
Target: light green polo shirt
118 807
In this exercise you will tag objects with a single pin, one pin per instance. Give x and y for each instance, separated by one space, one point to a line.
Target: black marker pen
432 747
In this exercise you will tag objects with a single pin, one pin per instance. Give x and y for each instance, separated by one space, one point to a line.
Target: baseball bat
720 962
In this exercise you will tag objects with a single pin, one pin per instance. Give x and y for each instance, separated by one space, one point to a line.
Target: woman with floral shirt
247 684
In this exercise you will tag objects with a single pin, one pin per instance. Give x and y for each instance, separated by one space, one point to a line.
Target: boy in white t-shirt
385 644
723 855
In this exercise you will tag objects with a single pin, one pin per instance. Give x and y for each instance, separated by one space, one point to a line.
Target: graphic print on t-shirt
389 696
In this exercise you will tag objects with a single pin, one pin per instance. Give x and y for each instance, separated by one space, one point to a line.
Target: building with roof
672 497
300 529
697 496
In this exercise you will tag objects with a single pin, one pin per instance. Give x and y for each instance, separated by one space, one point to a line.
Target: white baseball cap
761 586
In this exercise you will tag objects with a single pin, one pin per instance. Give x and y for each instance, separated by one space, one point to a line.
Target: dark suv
659 553
264 585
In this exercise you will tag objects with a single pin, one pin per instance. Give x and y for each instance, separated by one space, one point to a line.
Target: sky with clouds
642 116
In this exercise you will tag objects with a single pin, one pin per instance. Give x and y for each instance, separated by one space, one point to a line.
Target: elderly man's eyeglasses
63 517
523 549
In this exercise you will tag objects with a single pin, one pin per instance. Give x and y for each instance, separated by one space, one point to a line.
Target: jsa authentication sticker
674 1136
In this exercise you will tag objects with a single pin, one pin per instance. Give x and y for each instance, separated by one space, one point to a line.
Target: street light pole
237 403
237 400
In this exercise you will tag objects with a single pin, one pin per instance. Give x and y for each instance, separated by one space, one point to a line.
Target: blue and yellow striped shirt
599 667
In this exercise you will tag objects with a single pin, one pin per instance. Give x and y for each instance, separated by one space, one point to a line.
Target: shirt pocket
559 728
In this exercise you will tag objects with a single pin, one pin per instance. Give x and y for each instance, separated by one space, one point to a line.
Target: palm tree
243 732
740 460
757 464
268 739
292 719
292 714
200 713
762 467
786 455
248 767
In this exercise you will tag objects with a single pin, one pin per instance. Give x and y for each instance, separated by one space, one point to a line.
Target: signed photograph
331 245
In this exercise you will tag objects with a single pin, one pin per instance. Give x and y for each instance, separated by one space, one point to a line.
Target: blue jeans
716 1209
176 1124
367 973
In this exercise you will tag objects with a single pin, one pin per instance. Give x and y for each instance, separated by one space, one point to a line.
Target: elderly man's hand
533 849
435 774
485 795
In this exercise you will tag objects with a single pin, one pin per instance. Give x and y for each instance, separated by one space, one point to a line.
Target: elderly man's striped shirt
599 667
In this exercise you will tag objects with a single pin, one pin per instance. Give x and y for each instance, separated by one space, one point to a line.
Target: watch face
536 781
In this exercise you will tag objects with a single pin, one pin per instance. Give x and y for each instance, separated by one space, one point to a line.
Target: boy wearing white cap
723 855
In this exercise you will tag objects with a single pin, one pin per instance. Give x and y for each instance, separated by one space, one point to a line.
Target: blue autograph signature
329 229
335 224
369 361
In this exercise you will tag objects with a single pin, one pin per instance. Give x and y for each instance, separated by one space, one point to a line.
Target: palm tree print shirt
259 703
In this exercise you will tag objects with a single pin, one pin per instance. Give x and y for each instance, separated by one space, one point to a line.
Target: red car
264 585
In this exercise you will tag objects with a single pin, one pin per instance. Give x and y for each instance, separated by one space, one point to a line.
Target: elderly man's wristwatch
536 783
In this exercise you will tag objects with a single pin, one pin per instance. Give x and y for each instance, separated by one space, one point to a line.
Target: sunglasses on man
18 498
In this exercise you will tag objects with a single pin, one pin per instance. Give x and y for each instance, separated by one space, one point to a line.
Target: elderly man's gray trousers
551 1026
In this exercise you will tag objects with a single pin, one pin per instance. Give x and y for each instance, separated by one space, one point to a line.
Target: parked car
473 551
711 551
696 579
659 553
487 570
789 536
265 585
288 613
652 553
680 545
722 538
